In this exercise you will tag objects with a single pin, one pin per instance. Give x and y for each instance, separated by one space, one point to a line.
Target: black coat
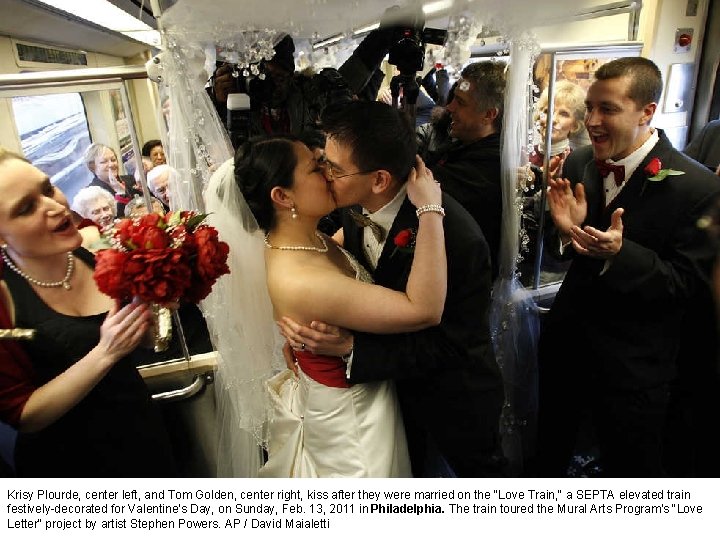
448 381
470 173
609 345
128 181
626 321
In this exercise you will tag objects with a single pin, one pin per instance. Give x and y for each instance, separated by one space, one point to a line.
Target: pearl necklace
64 282
323 249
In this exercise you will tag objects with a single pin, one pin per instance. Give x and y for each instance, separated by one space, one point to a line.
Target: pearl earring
293 212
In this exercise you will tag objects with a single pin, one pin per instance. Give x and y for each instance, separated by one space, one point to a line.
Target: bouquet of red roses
161 259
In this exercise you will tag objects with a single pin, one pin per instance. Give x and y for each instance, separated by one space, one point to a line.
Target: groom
448 382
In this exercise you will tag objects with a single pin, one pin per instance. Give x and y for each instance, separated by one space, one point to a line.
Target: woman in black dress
74 395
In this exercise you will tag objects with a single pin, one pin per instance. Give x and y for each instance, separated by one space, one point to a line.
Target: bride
319 425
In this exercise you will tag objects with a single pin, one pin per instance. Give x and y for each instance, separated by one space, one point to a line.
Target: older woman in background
158 179
103 163
566 124
97 205
153 150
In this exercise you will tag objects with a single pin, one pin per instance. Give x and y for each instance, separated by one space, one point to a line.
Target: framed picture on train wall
122 128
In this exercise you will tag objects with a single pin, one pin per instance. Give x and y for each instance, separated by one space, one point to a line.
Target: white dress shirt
383 217
630 163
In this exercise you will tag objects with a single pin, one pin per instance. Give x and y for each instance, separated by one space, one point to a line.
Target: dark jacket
705 148
448 381
609 345
470 173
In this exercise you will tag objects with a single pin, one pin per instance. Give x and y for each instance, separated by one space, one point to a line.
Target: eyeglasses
330 168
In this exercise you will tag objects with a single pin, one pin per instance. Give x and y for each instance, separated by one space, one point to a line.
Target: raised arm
325 294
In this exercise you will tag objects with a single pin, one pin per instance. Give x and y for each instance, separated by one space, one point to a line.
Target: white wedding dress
321 431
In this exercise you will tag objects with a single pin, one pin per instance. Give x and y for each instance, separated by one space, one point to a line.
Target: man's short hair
488 80
645 78
380 136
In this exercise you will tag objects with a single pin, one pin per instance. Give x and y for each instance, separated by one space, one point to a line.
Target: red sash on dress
327 370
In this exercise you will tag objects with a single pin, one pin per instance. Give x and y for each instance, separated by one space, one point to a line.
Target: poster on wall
122 129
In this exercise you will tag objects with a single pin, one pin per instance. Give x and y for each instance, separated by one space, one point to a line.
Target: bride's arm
342 301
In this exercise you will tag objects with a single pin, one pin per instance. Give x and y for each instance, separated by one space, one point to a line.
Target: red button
684 40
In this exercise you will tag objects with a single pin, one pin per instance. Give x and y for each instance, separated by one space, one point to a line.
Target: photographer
289 102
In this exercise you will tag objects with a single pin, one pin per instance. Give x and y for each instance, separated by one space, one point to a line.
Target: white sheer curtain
513 316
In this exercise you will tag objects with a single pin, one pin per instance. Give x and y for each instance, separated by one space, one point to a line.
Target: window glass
54 135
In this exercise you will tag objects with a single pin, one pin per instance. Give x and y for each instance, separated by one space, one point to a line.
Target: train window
54 135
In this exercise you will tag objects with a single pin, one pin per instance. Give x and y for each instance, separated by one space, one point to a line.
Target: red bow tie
606 168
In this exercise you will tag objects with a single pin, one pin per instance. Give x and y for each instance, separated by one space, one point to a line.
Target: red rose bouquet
161 259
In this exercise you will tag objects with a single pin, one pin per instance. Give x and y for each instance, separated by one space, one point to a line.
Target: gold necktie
364 221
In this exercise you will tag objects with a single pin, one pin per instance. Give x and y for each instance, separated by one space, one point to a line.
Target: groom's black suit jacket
448 381
611 339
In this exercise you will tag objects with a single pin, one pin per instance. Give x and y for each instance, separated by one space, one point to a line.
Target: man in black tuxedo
627 215
448 381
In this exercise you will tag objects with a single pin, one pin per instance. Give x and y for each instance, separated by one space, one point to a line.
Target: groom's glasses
332 172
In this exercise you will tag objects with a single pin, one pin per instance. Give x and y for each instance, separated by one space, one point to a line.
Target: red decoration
403 238
161 259
653 167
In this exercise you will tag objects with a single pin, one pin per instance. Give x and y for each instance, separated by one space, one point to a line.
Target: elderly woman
158 179
80 407
103 163
97 205
153 149
567 122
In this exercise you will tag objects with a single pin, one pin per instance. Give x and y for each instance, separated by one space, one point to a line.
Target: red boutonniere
405 241
656 173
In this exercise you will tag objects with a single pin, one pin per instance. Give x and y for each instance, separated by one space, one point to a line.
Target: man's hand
596 243
223 83
567 209
290 358
318 338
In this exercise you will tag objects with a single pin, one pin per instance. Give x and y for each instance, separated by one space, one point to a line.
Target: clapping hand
596 243
567 208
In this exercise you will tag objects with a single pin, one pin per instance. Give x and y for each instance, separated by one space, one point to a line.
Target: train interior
68 79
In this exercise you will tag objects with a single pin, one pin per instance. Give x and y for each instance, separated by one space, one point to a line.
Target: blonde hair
570 95
94 151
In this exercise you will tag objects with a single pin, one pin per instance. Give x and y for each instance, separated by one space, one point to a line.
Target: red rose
653 167
150 220
123 230
110 273
403 238
158 275
211 262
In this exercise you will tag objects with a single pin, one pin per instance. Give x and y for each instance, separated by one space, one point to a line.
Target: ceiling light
327 41
435 7
366 29
107 15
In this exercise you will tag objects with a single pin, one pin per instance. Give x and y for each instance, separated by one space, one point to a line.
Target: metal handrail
66 76
197 384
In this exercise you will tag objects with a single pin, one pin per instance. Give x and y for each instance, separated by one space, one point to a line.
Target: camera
407 53
408 49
